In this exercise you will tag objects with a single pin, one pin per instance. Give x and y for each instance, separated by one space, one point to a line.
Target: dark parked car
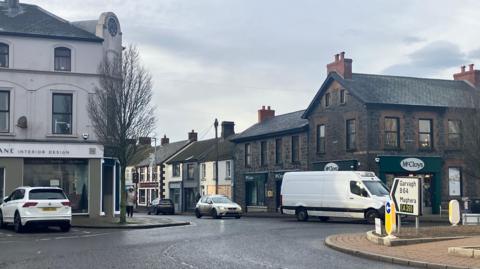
164 206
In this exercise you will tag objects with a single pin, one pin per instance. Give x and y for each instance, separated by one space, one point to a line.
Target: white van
325 194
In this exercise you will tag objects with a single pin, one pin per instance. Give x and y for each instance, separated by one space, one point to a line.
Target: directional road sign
390 218
406 196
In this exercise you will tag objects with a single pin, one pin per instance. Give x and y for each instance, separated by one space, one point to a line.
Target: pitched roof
204 150
166 151
31 20
396 90
278 125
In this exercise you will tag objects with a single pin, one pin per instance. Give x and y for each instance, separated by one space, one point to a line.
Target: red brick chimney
192 136
165 140
341 65
472 75
264 114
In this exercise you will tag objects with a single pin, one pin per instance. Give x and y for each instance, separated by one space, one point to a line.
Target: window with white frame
62 110
204 170
4 111
228 169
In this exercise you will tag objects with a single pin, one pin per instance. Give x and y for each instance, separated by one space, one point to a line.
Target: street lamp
215 124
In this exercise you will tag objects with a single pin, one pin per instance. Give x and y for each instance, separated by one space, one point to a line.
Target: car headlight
221 208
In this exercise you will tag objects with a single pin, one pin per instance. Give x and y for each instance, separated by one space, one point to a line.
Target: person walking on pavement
130 202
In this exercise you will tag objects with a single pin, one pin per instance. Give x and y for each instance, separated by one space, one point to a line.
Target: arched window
63 59
4 51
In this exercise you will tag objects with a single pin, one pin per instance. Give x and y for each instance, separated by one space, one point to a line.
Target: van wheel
324 219
65 227
302 214
371 215
197 214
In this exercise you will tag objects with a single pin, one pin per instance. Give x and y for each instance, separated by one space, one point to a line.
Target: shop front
75 167
428 169
175 195
255 192
337 165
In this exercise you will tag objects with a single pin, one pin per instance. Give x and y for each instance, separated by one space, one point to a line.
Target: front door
427 183
175 196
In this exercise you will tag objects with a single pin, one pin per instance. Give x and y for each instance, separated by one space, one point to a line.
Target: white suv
36 205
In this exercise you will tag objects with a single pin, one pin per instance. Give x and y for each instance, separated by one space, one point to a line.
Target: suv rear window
47 194
166 202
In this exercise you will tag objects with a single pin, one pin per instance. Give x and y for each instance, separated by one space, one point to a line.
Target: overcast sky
227 58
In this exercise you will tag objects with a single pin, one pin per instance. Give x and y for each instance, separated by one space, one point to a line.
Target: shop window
327 99
190 171
278 151
176 170
255 191
142 196
295 148
351 135
142 174
263 153
228 168
358 189
69 174
248 155
454 181
392 133
4 55
343 99
63 59
425 134
62 113
321 138
4 111
454 134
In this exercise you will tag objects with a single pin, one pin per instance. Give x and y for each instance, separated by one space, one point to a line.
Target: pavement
426 255
231 243
137 222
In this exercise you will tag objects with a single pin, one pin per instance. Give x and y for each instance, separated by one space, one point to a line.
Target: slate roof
31 20
204 150
396 90
278 125
166 151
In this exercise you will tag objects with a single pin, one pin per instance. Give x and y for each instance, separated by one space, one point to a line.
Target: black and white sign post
406 195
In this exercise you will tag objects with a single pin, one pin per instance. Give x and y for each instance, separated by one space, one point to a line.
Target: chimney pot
228 128
192 136
470 67
165 140
342 55
462 69
264 114
336 57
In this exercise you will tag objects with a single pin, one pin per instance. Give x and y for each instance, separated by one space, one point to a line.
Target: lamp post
215 124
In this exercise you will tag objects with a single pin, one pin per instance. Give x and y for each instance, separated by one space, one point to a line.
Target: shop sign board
406 196
331 167
412 164
50 150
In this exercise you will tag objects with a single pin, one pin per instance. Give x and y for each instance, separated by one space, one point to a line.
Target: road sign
390 218
406 196
454 212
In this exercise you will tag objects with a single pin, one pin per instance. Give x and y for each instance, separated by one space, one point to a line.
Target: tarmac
424 255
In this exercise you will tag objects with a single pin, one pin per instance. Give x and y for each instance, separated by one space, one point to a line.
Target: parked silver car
217 206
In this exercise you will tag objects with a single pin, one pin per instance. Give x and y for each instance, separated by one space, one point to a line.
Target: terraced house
392 125
48 71
395 126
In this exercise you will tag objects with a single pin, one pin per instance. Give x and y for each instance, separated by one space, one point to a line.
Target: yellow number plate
49 209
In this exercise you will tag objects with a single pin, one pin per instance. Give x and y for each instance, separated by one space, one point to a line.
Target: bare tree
121 111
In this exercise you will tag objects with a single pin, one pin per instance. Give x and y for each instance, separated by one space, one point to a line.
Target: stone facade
272 171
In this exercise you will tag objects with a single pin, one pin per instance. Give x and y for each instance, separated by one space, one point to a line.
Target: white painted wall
222 173
170 178
31 80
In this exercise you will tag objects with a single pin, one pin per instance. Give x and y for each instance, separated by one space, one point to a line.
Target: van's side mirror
210 202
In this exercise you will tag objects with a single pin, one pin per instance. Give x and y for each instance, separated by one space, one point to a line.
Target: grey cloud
429 60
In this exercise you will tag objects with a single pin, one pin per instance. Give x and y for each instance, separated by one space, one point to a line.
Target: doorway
175 196
278 194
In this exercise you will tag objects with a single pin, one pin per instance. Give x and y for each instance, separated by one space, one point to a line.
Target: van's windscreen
376 188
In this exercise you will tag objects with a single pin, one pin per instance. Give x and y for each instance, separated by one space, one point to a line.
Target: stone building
395 126
263 153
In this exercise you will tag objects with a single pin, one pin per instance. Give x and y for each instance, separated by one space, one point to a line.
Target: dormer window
63 59
4 54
